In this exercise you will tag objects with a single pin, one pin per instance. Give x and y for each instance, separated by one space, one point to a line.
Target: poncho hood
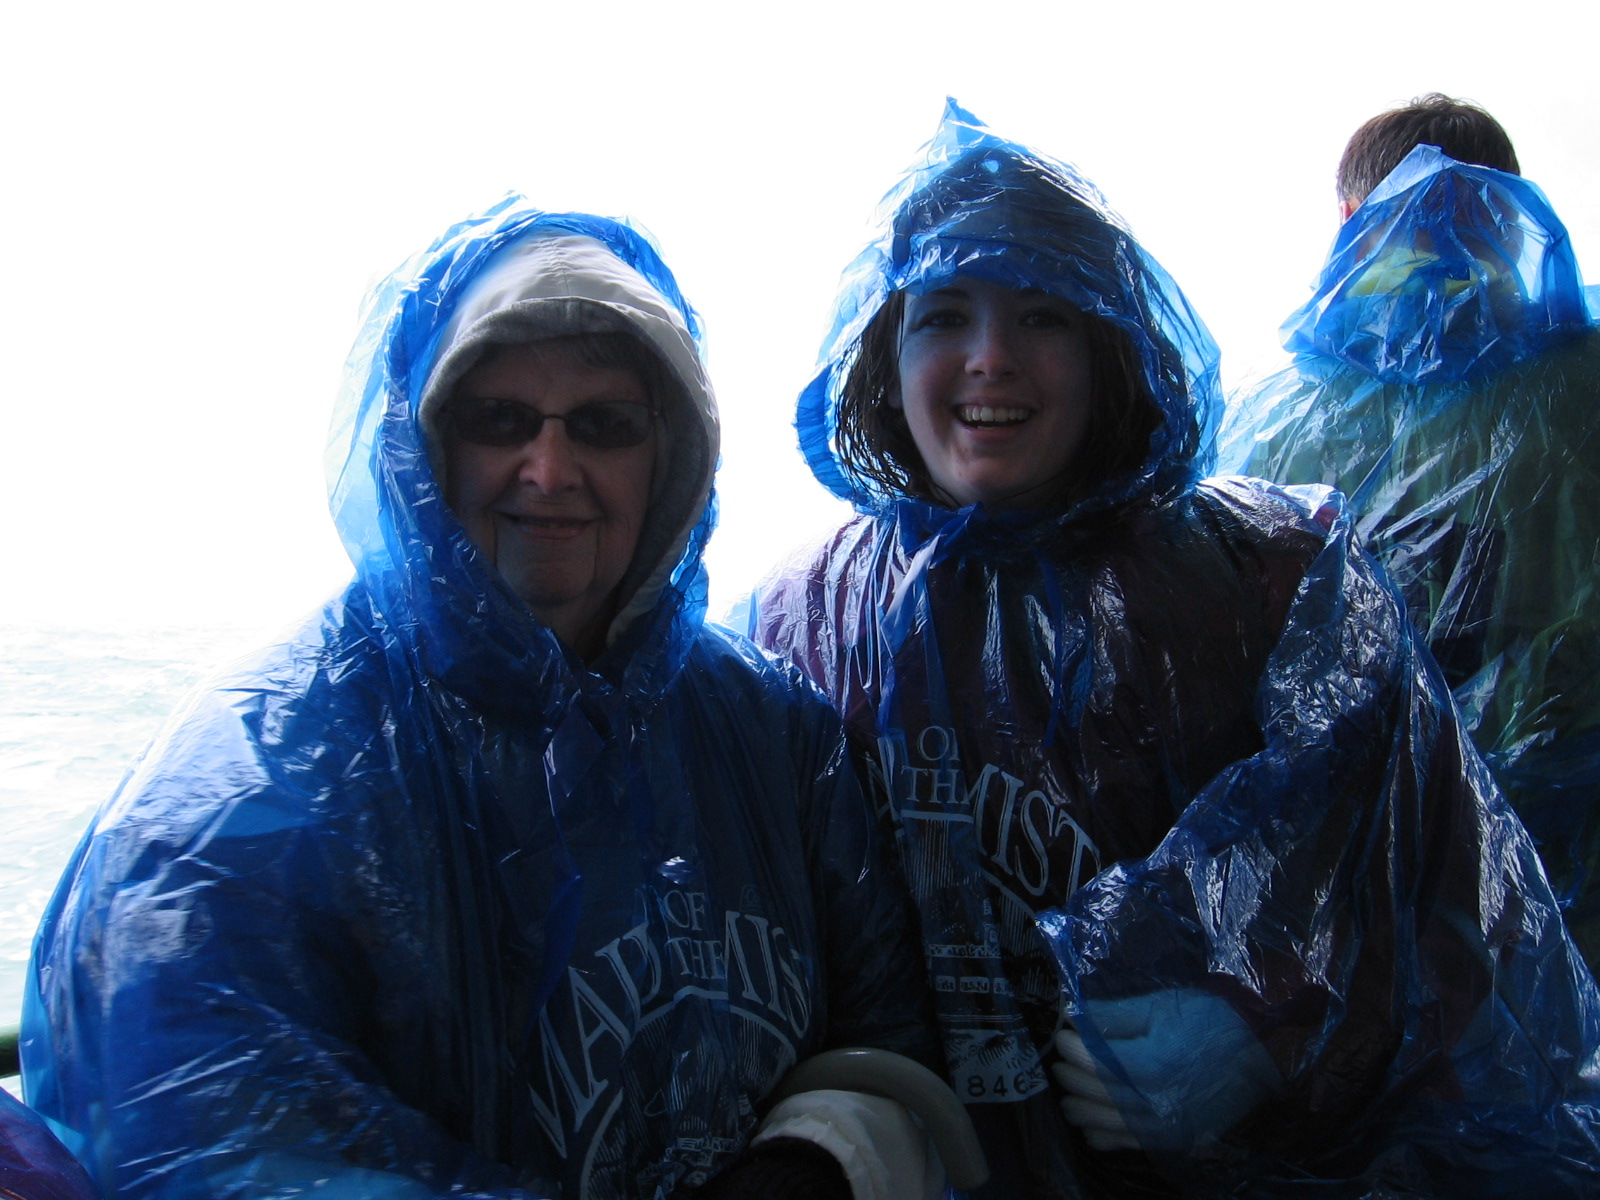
976 205
1447 271
515 274
455 913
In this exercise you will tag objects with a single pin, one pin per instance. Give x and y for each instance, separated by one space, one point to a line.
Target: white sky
200 193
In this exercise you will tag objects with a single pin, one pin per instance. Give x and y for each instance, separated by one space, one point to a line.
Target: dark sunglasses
603 424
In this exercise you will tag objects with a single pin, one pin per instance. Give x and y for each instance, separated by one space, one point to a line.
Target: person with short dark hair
1446 375
1216 898
506 875
1460 128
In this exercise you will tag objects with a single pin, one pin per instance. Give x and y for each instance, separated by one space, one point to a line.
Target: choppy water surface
76 708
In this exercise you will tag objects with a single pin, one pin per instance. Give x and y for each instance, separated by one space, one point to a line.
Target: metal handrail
10 1063
895 1077
877 1072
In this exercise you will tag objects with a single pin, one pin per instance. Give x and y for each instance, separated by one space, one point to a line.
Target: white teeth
984 414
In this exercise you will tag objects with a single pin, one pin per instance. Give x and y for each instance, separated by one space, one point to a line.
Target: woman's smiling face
996 385
558 516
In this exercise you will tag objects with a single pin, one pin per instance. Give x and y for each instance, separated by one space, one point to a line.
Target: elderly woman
506 874
1189 818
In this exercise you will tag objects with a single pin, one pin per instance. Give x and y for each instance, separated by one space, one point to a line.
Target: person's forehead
965 288
553 360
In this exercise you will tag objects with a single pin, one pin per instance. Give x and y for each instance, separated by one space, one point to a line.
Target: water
76 708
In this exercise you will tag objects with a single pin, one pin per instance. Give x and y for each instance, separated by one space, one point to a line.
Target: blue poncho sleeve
34 1165
214 969
1361 892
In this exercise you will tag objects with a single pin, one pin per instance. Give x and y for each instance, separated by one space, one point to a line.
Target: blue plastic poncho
419 903
33 1164
1446 271
1171 758
1460 420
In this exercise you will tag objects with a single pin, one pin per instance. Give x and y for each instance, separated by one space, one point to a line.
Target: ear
1347 207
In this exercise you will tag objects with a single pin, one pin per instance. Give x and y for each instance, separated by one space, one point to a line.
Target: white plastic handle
896 1077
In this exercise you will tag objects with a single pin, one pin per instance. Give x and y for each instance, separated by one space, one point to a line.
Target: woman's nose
549 461
989 349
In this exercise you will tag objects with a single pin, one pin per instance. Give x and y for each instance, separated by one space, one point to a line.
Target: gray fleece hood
557 284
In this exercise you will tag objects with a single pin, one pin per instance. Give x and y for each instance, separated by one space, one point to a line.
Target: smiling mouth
556 527
990 416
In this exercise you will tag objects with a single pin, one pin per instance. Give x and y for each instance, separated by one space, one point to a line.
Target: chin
994 491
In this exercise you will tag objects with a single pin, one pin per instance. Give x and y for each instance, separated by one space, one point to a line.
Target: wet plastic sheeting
33 1164
1462 424
1184 731
418 904
1445 271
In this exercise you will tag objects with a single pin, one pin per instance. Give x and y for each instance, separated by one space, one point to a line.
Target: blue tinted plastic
33 1164
1482 497
1446 271
1184 731
417 903
1059 235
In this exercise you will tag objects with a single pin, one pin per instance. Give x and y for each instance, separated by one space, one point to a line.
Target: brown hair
1461 129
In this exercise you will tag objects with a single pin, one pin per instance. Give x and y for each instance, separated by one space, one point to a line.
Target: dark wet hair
874 443
1461 129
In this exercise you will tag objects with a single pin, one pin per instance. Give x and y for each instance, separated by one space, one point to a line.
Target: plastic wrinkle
34 1165
1180 748
417 903
1478 491
1445 272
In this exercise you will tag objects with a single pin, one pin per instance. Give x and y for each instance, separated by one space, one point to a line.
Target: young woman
1189 817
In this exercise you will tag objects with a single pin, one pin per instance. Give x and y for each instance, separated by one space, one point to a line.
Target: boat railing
10 1064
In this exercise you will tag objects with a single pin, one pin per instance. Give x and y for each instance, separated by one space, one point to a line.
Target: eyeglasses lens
604 424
